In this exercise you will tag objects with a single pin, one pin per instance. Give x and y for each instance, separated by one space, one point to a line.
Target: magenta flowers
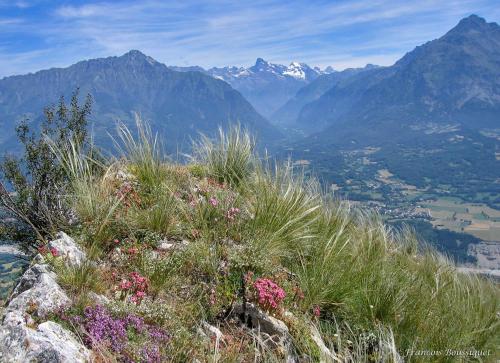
115 332
137 285
268 294
213 201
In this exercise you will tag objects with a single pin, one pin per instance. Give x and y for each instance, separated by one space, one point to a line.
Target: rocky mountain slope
453 79
288 113
432 118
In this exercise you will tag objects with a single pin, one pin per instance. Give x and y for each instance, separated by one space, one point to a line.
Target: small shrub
38 178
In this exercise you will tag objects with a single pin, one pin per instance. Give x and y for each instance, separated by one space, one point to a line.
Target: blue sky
39 34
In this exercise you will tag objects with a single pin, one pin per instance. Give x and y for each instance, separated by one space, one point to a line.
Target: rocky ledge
37 294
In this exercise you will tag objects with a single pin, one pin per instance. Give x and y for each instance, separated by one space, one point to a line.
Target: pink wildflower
232 213
132 250
316 311
125 284
43 250
268 294
213 201
138 296
54 252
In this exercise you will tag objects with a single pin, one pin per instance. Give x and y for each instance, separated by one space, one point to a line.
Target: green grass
283 207
80 279
229 158
144 154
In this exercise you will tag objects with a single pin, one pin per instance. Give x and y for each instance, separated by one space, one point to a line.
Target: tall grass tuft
229 159
144 152
159 217
284 207
80 279
361 272
93 197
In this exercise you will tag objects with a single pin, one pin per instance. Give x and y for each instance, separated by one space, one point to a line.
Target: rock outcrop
22 337
274 330
68 249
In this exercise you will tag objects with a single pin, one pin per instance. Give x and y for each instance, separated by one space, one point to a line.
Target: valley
465 226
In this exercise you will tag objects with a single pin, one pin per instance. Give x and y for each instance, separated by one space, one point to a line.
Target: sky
40 34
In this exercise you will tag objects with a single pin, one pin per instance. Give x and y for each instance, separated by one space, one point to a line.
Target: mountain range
432 118
453 79
266 85
178 104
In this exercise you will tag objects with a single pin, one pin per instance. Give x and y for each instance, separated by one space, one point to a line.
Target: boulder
68 249
21 339
37 288
262 321
274 330
209 331
168 245
49 342
326 354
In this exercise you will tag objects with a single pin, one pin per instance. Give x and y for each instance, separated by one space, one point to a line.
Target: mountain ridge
437 81
178 104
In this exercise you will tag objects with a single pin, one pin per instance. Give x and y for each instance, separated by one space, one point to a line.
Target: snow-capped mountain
267 86
263 68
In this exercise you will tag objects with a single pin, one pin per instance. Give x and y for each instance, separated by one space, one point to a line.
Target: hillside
453 79
178 104
229 258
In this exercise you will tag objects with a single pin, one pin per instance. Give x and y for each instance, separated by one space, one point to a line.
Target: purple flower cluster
103 328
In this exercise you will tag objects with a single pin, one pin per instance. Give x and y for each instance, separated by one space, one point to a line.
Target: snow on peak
296 70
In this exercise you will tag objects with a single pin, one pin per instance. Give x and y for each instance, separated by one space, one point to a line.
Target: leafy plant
38 179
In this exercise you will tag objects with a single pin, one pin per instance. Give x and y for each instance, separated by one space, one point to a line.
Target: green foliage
80 279
160 217
144 152
368 276
38 178
371 292
160 271
230 158
283 209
